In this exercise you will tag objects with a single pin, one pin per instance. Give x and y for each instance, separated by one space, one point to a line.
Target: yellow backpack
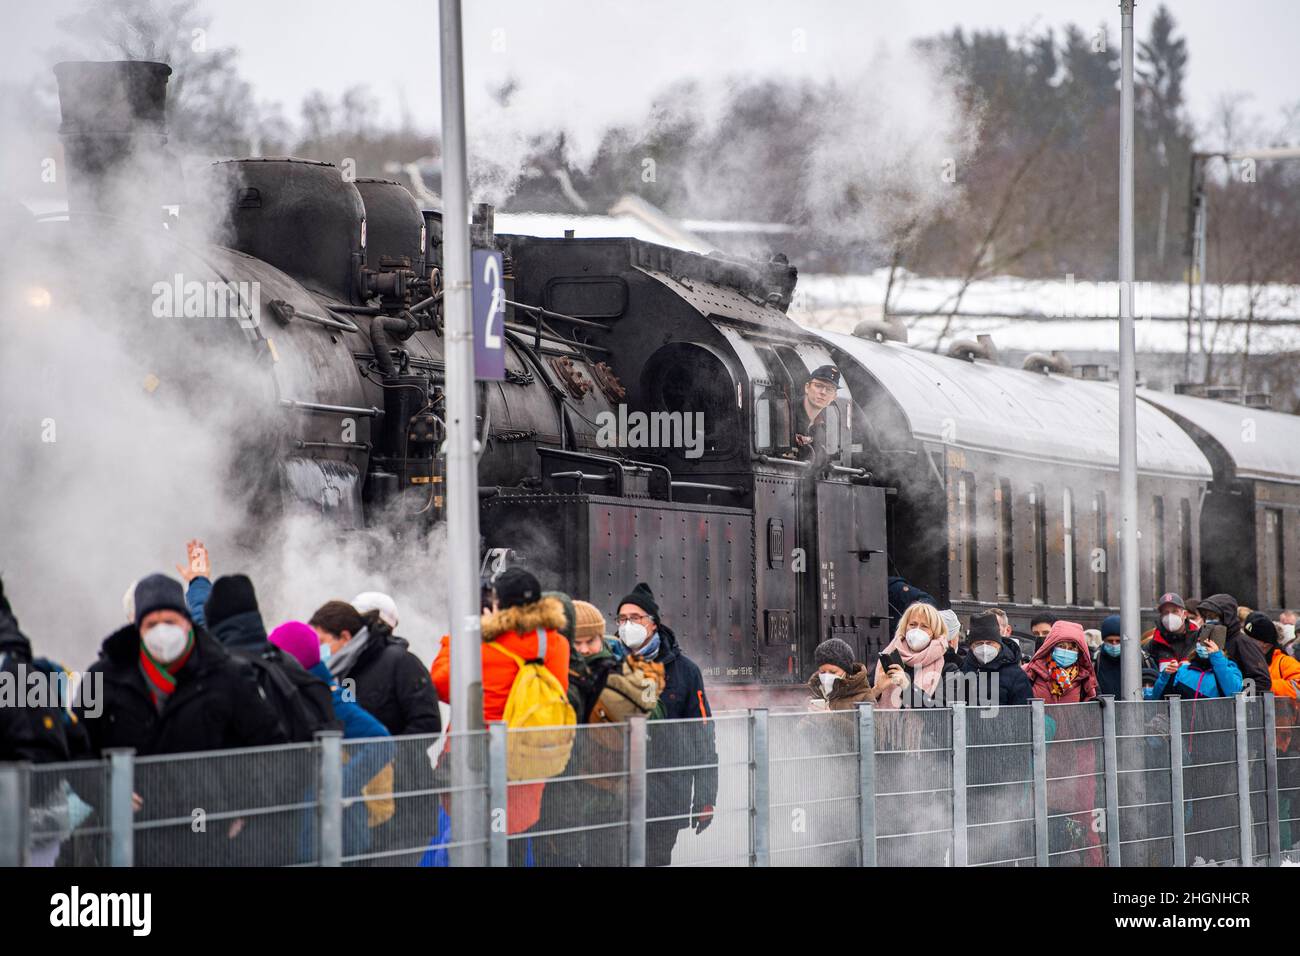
540 719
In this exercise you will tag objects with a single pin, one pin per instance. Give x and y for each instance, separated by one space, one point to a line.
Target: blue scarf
650 649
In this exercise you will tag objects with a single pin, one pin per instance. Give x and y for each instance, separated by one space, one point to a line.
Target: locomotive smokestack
114 134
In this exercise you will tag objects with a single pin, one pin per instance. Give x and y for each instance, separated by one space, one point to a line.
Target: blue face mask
1064 657
1202 650
1111 649
324 652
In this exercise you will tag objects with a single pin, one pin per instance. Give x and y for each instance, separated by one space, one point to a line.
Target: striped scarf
160 678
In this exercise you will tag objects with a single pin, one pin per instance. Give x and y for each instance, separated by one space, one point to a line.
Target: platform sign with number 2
489 316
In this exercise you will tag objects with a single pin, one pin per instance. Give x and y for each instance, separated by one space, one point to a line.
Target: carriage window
1038 517
966 536
1185 545
1274 590
1006 544
1067 520
1158 568
1101 550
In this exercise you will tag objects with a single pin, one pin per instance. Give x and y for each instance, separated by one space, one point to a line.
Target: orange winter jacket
515 629
1284 671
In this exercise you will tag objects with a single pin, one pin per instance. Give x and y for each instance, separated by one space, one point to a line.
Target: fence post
1037 717
1243 780
121 784
867 783
498 795
636 791
760 812
960 850
1177 807
15 800
1110 754
329 797
1270 780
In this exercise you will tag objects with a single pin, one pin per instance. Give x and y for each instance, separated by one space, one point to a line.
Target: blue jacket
196 596
364 761
1221 679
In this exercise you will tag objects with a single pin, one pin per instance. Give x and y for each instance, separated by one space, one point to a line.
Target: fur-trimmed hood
548 613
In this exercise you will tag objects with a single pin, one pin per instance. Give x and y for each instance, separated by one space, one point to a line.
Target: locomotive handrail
707 486
286 311
337 409
776 460
345 445
558 315
547 337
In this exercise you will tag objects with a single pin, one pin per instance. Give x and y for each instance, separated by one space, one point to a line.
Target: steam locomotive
983 484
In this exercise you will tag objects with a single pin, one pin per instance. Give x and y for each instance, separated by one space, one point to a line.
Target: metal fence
1159 783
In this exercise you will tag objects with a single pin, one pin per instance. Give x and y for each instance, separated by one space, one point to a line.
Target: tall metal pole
468 818
1130 594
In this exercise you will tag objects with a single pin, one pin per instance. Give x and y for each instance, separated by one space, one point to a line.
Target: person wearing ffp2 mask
687 796
840 682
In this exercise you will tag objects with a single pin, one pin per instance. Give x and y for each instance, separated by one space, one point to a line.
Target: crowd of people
195 668
1204 648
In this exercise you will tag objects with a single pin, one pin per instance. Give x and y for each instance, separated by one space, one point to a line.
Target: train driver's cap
1171 598
826 373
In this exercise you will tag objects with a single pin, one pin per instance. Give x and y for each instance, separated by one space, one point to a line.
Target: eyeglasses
631 619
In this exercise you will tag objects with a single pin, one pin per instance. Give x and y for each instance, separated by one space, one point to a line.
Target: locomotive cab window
693 390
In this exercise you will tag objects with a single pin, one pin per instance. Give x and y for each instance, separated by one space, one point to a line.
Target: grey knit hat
834 651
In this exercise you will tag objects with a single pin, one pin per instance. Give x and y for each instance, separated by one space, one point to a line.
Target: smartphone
889 659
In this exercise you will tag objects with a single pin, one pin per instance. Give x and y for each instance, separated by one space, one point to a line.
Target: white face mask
828 681
1173 623
916 638
1288 633
165 642
632 635
984 652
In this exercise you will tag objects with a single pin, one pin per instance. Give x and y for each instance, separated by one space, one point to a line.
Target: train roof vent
1056 362
890 329
1223 393
1093 372
981 348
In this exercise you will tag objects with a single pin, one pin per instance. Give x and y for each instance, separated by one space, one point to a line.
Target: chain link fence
1132 783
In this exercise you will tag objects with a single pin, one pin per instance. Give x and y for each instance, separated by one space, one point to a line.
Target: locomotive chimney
113 136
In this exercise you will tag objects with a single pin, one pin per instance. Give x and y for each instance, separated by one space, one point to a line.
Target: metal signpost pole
468 770
1130 596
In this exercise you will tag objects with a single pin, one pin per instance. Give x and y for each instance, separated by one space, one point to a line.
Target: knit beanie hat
984 627
642 597
1110 626
157 592
570 616
377 601
231 595
1261 627
833 651
590 622
515 587
299 641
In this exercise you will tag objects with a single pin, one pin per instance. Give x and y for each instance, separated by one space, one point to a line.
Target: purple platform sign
489 316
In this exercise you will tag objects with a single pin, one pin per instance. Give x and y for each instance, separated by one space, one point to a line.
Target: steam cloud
126 434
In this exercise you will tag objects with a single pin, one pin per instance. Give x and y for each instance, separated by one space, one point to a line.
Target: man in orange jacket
519 612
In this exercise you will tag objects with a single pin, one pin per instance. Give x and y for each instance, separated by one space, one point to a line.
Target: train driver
809 423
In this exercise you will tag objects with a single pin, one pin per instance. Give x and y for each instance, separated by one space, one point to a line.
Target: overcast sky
596 61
